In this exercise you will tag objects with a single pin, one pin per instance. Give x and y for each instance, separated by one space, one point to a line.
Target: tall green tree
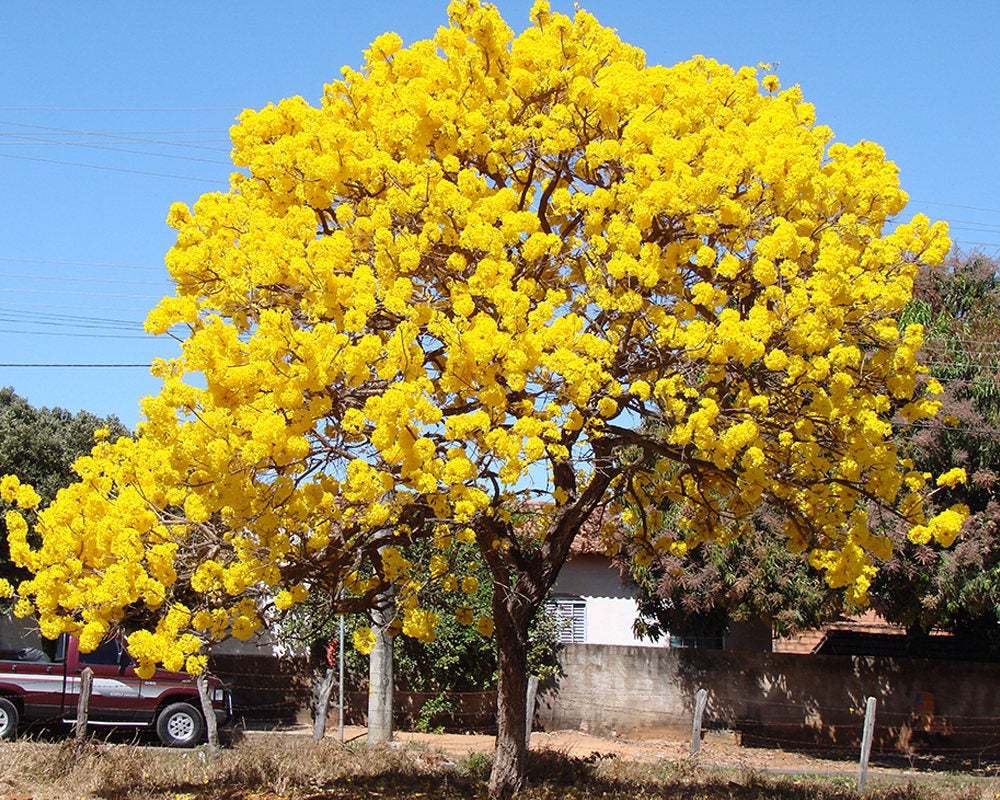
701 593
40 445
957 589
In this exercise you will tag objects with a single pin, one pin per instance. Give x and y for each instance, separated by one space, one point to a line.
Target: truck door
114 698
40 676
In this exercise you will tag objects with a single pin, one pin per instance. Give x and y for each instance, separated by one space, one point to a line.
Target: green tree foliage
459 659
700 593
40 445
923 586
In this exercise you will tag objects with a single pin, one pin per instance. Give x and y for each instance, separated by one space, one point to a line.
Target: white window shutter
570 614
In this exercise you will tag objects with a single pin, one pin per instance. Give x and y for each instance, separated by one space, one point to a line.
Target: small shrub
432 711
476 765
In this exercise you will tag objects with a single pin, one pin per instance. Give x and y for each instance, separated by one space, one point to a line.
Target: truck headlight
218 695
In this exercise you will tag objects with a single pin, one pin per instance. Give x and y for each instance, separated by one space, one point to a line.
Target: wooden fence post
529 717
323 705
340 680
208 712
866 743
83 703
700 699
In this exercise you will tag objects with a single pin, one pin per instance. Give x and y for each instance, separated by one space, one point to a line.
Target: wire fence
277 693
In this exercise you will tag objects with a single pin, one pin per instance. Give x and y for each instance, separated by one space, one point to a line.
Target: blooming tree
447 301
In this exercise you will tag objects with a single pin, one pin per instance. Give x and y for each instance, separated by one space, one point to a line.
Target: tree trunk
380 681
510 761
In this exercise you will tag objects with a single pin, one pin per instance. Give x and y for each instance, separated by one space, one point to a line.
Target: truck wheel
8 719
180 725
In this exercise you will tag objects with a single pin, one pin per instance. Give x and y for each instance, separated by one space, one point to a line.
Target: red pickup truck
44 687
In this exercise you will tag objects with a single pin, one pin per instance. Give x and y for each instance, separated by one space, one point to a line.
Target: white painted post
340 656
529 717
700 700
866 743
83 703
380 683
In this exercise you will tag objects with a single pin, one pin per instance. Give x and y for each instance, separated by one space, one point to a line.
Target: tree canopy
921 586
755 578
40 445
453 293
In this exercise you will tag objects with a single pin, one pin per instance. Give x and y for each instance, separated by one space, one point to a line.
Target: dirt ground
287 765
719 750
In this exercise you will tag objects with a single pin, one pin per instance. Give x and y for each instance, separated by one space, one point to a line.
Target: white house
597 604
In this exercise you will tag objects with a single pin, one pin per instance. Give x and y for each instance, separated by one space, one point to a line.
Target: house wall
611 603
775 698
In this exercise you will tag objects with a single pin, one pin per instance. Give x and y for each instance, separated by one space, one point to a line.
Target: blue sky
81 247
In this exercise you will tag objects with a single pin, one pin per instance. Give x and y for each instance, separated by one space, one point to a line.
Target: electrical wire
72 366
969 243
148 338
110 135
73 325
69 317
28 142
112 169
955 205
147 297
77 262
122 109
88 279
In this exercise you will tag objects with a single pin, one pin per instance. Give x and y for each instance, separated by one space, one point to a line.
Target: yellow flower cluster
952 477
482 265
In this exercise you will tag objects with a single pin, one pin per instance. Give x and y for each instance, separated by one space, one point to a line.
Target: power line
50 315
969 228
109 135
111 169
138 109
29 142
79 335
79 263
142 305
86 279
972 222
120 131
65 324
74 366
963 241
956 205
146 297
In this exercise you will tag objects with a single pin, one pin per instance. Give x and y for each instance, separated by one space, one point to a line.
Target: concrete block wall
775 697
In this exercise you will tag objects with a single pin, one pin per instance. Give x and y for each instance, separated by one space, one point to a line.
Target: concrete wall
775 697
611 604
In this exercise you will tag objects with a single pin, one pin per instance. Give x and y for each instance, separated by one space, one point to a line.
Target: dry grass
293 768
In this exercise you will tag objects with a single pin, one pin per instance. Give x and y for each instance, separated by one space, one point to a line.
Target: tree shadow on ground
929 714
552 776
